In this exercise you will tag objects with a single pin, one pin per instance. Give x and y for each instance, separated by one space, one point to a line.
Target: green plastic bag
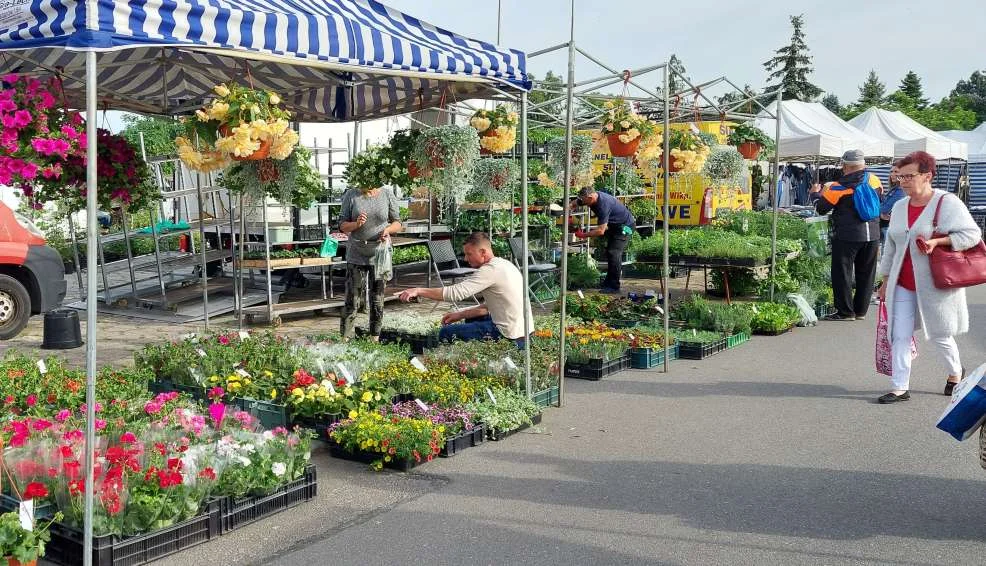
329 247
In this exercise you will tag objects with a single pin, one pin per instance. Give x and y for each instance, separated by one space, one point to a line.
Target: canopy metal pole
775 174
567 213
666 159
526 236
91 235
499 19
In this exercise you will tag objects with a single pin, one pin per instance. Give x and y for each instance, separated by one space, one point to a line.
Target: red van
32 275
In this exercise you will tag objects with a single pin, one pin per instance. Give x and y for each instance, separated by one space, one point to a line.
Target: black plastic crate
498 435
647 358
417 342
240 512
465 439
700 350
361 456
166 386
110 550
12 503
597 369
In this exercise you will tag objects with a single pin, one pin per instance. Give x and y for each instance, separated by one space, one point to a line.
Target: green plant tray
737 339
647 358
546 398
498 435
241 512
270 415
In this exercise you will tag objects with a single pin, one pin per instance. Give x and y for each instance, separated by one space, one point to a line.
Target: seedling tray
497 435
737 339
465 439
547 397
237 513
773 332
700 350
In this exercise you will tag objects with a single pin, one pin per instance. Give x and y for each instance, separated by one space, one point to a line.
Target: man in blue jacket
855 242
613 220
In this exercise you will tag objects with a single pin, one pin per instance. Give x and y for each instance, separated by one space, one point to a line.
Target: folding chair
539 274
446 264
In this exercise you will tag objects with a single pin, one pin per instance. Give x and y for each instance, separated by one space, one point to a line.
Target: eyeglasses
906 176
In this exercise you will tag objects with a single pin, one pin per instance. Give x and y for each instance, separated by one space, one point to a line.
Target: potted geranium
749 139
242 124
624 128
498 128
20 546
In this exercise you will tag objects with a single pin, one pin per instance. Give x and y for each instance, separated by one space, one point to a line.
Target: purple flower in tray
455 419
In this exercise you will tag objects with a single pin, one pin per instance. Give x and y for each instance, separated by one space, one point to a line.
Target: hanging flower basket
675 166
262 153
413 171
622 149
750 150
498 128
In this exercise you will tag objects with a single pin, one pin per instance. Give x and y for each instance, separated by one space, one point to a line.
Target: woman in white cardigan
910 295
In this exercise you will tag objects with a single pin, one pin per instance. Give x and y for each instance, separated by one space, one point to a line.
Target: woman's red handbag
952 269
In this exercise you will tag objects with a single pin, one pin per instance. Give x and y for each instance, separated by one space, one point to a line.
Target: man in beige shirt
502 287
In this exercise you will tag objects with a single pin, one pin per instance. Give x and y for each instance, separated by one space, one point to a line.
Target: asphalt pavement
772 453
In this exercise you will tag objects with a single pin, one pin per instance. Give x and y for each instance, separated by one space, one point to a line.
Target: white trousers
904 311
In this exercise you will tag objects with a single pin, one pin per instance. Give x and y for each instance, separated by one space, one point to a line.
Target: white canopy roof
908 135
975 140
811 131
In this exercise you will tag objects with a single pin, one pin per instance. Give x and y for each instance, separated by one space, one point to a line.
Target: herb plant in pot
749 140
20 546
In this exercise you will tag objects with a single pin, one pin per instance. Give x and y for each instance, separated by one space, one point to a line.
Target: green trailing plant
512 410
448 156
494 181
628 180
293 180
744 133
724 165
580 160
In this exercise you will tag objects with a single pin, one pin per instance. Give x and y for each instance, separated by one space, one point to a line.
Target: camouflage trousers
357 279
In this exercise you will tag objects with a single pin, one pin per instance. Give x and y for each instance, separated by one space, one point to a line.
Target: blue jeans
480 328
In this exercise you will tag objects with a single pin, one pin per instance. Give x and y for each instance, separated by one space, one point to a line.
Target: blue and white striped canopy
330 60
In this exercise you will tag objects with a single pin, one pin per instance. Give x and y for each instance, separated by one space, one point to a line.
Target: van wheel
15 307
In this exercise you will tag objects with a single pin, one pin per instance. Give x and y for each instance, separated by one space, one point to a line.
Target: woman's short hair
924 160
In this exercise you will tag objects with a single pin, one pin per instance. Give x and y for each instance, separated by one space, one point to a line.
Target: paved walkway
772 453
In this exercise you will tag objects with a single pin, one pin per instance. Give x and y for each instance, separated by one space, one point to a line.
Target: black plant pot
62 330
645 231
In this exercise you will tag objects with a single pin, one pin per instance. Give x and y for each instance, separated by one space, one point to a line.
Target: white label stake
42 367
26 514
200 352
345 373
581 296
489 393
244 335
421 405
418 364
242 373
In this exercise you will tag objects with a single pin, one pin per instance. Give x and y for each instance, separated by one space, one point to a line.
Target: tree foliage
911 87
871 93
831 102
791 66
550 87
972 94
159 133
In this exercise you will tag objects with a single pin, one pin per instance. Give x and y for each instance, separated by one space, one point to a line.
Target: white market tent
337 60
974 139
812 132
908 135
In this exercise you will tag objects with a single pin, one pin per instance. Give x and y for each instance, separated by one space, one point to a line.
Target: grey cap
586 192
853 157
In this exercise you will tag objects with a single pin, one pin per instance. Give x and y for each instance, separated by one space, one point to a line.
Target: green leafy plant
744 133
22 544
400 149
644 210
628 180
511 410
724 165
773 317
370 169
582 271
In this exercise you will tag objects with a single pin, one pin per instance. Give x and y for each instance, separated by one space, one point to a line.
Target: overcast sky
942 41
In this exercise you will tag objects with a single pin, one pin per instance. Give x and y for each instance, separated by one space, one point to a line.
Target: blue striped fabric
328 59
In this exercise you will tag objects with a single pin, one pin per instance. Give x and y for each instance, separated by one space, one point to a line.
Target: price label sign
659 310
244 335
421 405
418 364
200 352
242 372
509 362
694 332
581 296
756 310
489 393
345 373
42 367
328 385
25 513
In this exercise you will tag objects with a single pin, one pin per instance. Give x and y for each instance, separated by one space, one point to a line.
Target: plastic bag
329 247
884 349
808 316
383 261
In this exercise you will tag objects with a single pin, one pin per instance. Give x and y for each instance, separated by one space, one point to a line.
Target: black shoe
840 316
860 317
949 387
891 398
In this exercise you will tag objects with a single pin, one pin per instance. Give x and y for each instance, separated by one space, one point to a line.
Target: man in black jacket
855 243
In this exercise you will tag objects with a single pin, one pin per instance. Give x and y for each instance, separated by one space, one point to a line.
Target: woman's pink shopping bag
884 350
